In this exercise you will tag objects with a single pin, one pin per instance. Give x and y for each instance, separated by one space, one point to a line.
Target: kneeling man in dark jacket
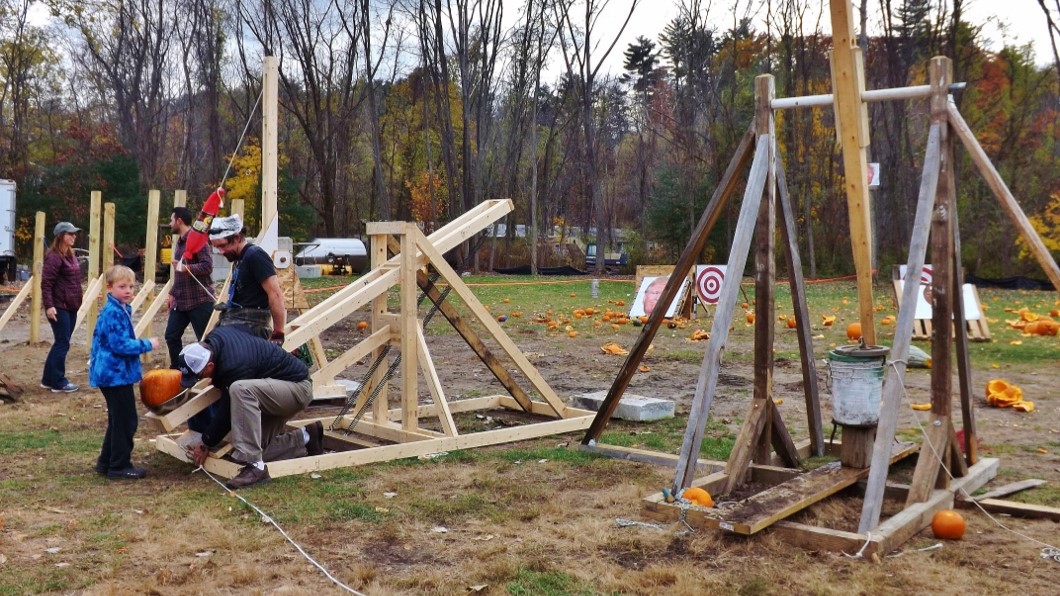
262 387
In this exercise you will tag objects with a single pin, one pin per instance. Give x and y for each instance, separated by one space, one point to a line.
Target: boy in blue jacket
114 367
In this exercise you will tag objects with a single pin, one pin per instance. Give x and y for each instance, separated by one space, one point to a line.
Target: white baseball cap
223 227
193 358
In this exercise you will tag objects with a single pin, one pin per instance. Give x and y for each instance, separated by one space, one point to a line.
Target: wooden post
38 266
154 197
940 72
269 153
379 310
108 236
94 234
848 83
409 323
894 373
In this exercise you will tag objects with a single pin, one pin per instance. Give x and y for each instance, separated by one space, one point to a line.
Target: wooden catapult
369 430
764 452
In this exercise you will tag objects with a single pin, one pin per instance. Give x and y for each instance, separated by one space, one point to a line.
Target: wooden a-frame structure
371 431
865 454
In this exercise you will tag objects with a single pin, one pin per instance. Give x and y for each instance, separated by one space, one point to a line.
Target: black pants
121 426
178 321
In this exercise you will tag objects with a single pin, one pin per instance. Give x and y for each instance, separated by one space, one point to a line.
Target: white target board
968 297
649 292
926 274
708 282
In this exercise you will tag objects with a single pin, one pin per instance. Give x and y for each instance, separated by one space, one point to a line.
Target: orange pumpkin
160 390
698 496
362 325
792 323
750 316
948 525
854 331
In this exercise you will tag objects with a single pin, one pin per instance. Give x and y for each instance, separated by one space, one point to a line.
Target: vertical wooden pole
180 199
154 198
409 323
379 309
940 74
95 222
269 153
765 273
848 83
38 266
964 366
108 236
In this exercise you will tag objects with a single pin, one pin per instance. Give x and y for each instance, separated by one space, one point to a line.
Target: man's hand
199 452
277 338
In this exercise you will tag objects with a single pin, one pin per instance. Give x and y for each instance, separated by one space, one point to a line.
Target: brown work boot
315 446
249 476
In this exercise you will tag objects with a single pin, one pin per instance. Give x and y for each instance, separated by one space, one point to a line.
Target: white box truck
8 263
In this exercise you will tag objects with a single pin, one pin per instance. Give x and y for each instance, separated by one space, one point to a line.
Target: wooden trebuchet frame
376 432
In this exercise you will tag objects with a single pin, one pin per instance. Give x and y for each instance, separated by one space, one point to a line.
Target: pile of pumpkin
1002 394
1034 324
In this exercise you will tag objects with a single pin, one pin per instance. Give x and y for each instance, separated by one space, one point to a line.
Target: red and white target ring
708 283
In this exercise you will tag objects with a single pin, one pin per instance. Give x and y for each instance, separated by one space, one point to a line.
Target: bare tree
583 63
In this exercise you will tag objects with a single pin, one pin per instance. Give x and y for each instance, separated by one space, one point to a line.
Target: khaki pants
260 411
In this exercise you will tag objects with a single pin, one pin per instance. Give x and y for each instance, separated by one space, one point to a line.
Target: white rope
241 136
267 518
1046 547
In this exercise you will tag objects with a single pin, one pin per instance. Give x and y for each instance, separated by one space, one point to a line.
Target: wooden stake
894 374
95 234
38 266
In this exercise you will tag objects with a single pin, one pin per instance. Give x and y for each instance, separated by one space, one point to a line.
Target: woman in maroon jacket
61 288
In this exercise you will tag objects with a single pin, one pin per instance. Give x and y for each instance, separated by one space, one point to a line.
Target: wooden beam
804 327
434 386
156 305
355 354
408 328
154 199
12 306
492 326
1010 489
1004 195
95 234
38 266
960 334
781 440
707 381
88 300
848 83
893 379
207 395
1013 508
684 264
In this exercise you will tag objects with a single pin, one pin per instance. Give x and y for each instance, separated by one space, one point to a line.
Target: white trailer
8 262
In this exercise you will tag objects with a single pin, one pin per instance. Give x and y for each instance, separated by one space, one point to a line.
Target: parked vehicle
343 255
611 259
8 262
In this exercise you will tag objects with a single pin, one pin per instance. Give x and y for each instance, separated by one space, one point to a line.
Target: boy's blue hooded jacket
115 350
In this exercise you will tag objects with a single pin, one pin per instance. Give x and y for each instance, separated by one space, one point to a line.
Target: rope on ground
268 518
1048 551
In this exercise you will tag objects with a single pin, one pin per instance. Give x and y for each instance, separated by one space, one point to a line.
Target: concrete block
308 271
636 408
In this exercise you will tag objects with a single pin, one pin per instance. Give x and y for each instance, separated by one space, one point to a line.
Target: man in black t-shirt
254 295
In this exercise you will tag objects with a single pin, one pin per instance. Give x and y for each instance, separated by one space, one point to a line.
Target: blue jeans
178 322
55 364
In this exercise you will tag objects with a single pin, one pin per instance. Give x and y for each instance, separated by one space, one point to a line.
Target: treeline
418 109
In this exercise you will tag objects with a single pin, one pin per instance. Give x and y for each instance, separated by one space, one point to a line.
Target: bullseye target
708 282
926 274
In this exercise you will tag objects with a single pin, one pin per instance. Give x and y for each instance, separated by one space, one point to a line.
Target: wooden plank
928 466
145 292
354 354
893 384
813 538
38 266
19 298
706 383
434 386
1024 510
780 439
804 327
848 83
149 315
427 446
408 328
1010 489
1004 195
154 199
492 326
95 236
88 300
171 421
684 264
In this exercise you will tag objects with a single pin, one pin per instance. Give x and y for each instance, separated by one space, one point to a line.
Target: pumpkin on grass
948 525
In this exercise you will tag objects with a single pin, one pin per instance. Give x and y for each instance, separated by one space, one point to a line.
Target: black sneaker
249 476
130 473
315 446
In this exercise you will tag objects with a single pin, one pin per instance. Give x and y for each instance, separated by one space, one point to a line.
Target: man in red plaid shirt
191 299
